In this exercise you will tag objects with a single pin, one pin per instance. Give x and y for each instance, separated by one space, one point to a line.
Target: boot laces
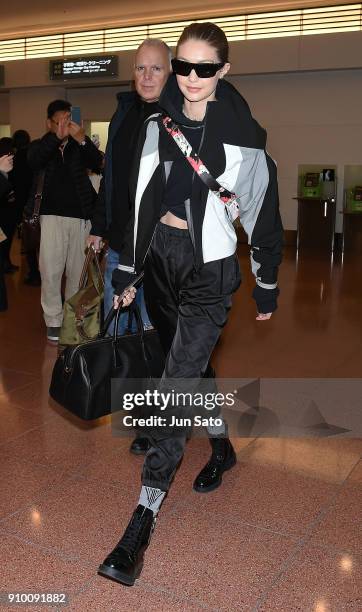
133 534
219 451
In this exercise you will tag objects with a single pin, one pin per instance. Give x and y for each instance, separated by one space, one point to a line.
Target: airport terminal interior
283 532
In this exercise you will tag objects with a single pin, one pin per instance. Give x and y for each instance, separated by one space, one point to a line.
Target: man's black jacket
42 155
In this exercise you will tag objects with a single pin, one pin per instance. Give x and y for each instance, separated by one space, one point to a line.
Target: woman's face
196 89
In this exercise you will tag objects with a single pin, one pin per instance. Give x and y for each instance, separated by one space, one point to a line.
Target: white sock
217 430
151 498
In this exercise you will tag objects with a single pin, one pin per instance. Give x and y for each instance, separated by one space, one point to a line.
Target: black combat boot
223 458
124 563
140 446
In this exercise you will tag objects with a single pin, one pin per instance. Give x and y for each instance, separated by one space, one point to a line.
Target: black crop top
179 183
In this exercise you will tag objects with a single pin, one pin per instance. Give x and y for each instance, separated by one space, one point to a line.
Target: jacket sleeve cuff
96 231
121 279
266 299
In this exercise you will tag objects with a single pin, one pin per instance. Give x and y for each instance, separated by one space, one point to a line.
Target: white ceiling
27 18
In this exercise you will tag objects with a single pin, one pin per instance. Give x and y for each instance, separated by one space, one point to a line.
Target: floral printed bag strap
227 198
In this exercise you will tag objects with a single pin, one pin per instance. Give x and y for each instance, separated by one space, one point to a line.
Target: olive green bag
83 312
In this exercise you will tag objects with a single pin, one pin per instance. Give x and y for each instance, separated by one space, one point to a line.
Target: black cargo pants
189 308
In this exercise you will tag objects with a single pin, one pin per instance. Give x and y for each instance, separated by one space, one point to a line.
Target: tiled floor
283 533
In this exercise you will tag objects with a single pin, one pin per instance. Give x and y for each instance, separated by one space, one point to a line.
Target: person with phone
6 165
64 155
181 233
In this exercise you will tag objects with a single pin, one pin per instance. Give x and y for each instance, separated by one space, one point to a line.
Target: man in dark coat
151 70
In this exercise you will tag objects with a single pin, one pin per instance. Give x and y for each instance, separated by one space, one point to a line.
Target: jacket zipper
68 363
61 149
149 246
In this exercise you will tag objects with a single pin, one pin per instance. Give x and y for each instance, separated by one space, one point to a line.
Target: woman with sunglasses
181 233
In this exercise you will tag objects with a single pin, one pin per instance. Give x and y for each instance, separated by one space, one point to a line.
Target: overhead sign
84 67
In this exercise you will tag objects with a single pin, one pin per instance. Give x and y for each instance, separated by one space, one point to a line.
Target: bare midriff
170 219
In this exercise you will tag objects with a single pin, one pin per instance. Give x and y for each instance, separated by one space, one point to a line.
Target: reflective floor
282 533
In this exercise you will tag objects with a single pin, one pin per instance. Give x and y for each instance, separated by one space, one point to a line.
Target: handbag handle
38 193
108 320
84 274
134 312
88 270
116 313
96 272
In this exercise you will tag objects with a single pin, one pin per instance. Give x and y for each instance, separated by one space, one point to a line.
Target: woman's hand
6 163
263 316
126 298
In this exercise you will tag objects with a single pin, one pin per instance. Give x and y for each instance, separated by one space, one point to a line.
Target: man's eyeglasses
203 71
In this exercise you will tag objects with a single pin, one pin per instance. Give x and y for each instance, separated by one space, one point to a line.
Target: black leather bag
81 380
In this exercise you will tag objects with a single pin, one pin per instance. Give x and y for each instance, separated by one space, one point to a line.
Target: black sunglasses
203 71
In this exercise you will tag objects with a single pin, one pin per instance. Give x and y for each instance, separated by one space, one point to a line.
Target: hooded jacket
233 149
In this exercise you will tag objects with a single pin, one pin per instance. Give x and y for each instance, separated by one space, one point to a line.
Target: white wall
28 108
310 117
96 104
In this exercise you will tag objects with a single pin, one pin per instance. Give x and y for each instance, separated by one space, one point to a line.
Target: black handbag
81 379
